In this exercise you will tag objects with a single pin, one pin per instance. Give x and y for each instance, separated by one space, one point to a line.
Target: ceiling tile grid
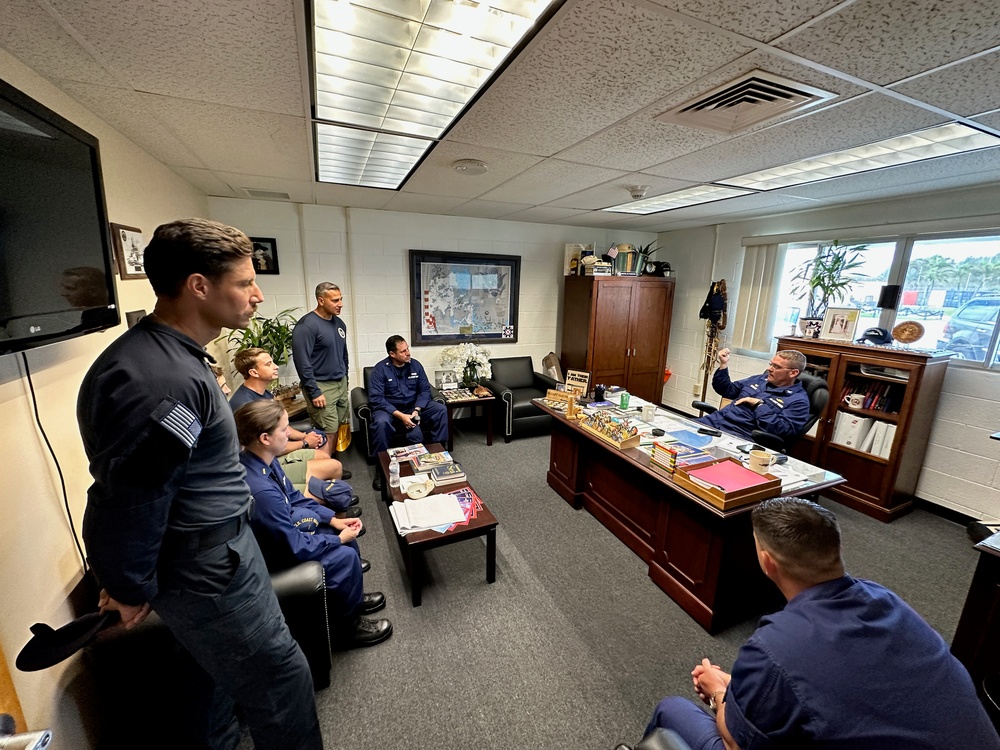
615 192
299 191
589 72
550 180
422 204
884 41
488 209
762 20
437 176
543 214
207 182
967 89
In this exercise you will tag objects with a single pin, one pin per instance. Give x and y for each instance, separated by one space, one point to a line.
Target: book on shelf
406 452
427 461
851 429
887 439
448 474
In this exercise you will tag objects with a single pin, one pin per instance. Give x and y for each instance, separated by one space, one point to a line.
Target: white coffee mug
761 461
648 412
855 400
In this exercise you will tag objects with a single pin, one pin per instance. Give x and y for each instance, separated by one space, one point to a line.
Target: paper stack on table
426 513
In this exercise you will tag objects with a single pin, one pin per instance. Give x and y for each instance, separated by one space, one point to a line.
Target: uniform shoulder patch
179 421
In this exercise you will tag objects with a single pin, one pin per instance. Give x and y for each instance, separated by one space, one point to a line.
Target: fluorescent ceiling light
678 199
405 69
943 140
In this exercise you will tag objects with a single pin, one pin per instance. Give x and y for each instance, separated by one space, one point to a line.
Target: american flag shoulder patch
179 421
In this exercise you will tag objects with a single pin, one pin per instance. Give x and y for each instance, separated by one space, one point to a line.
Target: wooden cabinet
617 328
898 390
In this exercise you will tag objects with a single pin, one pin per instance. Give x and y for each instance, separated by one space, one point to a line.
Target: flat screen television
56 273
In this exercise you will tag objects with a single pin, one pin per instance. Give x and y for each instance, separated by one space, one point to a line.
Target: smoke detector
470 167
637 191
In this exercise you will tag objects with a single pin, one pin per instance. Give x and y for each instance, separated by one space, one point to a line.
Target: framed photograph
463 297
265 255
578 381
129 246
840 323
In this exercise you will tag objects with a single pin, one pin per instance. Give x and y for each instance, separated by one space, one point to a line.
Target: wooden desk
413 546
702 557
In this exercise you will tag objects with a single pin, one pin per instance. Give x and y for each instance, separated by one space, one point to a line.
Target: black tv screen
56 273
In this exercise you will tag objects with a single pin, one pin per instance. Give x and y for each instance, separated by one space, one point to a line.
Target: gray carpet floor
573 645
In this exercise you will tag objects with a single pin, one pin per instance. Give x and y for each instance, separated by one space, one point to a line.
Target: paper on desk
426 513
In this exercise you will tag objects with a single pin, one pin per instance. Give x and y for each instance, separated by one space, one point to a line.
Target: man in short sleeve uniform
166 525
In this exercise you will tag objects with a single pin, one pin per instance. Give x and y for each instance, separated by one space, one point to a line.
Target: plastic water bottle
393 472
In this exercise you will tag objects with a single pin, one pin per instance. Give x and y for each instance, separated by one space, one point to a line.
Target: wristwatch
712 703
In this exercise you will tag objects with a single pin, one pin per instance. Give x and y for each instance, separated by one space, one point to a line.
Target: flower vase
470 375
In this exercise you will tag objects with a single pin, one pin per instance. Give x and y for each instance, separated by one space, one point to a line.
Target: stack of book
451 473
427 461
599 268
407 452
671 456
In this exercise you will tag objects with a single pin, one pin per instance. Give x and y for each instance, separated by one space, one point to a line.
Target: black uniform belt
211 537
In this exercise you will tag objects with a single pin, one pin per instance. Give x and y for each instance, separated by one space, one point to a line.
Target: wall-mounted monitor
56 273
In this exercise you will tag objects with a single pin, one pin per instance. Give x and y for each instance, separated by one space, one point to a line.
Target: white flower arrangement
471 360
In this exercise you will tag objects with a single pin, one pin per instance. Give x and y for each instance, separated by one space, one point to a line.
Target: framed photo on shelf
840 323
265 255
463 297
129 245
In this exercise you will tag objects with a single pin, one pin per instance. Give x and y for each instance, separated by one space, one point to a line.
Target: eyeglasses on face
775 366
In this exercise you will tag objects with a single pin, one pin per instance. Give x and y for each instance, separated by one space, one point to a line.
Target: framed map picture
460 297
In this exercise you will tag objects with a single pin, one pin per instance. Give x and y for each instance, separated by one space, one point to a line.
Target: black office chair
819 396
363 413
514 384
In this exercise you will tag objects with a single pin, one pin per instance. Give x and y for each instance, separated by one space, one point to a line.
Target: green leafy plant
827 278
273 334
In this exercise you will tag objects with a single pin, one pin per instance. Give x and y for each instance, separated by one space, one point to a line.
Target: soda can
623 402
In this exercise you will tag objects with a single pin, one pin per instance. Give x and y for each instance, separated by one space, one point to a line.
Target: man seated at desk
772 401
846 664
400 398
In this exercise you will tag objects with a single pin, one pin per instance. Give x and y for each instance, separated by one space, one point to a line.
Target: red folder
728 476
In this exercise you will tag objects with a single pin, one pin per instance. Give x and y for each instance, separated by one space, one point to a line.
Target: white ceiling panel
355 197
436 176
968 88
762 20
884 41
488 209
862 120
594 219
613 193
299 191
991 120
589 72
422 204
222 51
550 180
207 182
543 214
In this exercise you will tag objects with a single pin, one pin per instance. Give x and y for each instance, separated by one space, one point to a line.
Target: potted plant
826 278
472 359
272 334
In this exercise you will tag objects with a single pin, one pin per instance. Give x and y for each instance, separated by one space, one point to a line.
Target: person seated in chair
290 528
773 401
400 398
846 664
309 454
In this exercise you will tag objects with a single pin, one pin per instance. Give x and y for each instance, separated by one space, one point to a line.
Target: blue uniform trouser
696 726
219 605
433 423
344 580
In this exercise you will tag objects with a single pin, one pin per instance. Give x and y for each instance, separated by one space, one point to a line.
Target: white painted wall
962 466
39 560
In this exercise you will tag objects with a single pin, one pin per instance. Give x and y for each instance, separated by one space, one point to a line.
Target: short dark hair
804 537
793 357
189 246
256 418
246 359
325 286
392 342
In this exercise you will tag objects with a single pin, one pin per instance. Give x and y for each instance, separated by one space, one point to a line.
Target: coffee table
412 546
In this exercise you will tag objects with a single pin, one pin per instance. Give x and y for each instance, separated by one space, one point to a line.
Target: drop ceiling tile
884 41
613 193
207 182
763 20
231 139
864 119
435 176
422 204
118 108
966 89
640 141
550 180
299 191
327 194
598 62
542 214
991 120
487 209
35 37
224 51
599 219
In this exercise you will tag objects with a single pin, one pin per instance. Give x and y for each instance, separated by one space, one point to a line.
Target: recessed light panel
678 199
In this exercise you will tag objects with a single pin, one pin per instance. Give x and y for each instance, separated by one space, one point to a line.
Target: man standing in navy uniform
773 401
167 519
400 396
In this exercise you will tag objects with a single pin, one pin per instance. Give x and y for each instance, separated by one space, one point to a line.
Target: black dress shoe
352 512
377 482
365 565
354 500
372 602
346 475
368 632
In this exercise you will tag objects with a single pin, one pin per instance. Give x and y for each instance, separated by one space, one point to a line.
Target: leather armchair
514 384
145 683
363 410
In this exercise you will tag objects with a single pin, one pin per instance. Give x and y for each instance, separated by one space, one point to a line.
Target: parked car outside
968 331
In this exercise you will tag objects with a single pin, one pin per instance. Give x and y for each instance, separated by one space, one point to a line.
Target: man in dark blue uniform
773 401
400 397
167 519
846 664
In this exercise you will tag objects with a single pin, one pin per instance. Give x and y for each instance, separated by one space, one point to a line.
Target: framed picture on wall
840 323
265 255
463 297
129 245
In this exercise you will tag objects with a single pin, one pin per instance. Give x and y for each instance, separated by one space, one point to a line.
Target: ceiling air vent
267 195
753 98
